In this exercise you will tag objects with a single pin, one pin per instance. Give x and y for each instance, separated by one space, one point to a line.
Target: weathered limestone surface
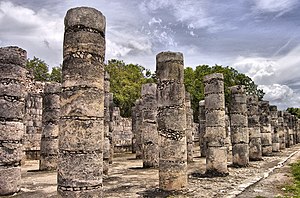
298 130
137 121
111 127
292 127
265 128
239 126
274 128
255 147
215 134
189 127
13 77
149 126
50 130
106 145
288 130
281 130
133 128
171 120
202 127
122 133
80 159
33 120
228 143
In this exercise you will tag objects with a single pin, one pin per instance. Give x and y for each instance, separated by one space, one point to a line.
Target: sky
260 38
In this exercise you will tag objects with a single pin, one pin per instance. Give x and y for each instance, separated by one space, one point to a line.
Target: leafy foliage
294 111
40 70
55 75
193 80
126 82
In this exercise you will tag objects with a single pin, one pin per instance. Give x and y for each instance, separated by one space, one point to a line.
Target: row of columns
162 117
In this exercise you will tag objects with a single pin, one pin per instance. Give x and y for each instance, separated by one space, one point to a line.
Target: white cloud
281 95
131 43
277 92
190 12
279 6
154 21
40 33
279 77
261 70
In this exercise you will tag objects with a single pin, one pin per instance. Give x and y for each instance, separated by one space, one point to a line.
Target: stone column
281 130
171 120
50 129
80 158
138 119
298 130
255 150
12 96
202 127
228 143
111 128
139 135
239 126
149 126
189 127
133 128
293 128
33 120
265 128
286 129
274 128
106 145
215 135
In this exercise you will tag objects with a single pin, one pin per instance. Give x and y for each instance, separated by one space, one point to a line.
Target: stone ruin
189 128
80 155
239 126
215 131
33 120
255 147
122 133
171 121
265 128
149 137
75 129
201 128
13 77
50 130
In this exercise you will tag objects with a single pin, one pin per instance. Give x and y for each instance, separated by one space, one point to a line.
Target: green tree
294 111
125 83
193 80
55 75
38 68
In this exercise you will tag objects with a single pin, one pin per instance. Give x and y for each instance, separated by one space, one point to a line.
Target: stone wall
122 133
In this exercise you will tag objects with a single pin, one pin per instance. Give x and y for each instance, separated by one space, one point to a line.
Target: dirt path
274 184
